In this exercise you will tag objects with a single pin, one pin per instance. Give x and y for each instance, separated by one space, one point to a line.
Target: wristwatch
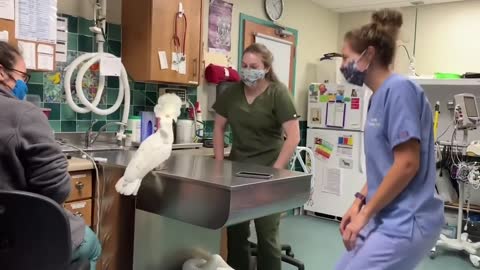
361 197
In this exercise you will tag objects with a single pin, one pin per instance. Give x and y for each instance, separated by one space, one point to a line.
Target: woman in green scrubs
261 114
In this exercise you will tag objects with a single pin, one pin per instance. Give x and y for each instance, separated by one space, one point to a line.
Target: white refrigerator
336 116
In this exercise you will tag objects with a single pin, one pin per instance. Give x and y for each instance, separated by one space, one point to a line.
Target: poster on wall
220 26
36 20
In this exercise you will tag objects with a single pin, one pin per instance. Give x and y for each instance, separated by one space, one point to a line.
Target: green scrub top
256 128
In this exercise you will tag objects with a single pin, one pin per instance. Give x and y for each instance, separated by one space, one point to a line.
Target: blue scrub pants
90 249
378 251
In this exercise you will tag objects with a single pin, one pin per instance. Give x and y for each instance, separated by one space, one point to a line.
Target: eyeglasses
26 76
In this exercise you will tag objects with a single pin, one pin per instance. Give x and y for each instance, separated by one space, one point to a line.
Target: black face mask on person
352 73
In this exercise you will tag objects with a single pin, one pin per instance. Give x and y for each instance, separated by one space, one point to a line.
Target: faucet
88 135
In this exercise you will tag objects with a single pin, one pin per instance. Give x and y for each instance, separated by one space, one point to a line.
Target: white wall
447 36
317 34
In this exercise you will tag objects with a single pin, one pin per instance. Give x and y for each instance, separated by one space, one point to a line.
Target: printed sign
345 146
346 164
316 115
323 148
313 94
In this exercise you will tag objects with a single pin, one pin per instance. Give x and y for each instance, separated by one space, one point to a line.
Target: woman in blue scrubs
396 218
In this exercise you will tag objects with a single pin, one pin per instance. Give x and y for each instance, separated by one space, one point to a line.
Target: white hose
86 61
124 89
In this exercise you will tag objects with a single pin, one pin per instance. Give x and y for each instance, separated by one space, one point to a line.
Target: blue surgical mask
352 74
20 90
251 76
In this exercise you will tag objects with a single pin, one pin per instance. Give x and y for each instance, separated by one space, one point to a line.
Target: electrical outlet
451 105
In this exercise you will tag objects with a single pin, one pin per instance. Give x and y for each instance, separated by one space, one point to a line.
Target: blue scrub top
398 112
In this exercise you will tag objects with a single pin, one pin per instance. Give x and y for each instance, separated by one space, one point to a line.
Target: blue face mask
251 76
20 90
352 74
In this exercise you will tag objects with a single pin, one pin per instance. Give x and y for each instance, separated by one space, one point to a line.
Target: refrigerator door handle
360 155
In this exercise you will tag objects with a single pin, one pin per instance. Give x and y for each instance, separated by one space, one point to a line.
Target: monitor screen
471 106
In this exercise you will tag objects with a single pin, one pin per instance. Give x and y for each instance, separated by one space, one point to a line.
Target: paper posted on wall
220 26
332 181
4 36
29 52
345 146
335 114
7 9
323 148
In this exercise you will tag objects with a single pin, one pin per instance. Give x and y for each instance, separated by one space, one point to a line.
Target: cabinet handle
79 185
78 214
195 67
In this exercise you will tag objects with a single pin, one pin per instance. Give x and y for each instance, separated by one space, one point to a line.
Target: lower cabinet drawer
81 186
81 209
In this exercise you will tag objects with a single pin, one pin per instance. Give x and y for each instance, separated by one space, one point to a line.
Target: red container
47 112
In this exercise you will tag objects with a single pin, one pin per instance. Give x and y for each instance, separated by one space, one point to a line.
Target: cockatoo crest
168 106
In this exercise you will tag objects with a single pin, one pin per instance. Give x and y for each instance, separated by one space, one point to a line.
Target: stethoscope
177 43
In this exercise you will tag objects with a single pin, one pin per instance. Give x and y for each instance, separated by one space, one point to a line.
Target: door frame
244 17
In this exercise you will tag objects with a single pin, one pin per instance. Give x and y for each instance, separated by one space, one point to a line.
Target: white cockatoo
155 150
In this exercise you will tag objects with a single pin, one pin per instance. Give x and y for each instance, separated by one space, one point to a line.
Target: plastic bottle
128 138
199 123
135 125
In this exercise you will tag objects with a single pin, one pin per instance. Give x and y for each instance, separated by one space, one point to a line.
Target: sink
94 148
105 142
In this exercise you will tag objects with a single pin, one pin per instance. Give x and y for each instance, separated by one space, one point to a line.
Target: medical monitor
468 108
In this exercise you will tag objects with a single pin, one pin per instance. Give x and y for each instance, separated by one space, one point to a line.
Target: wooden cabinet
81 186
81 209
148 27
79 202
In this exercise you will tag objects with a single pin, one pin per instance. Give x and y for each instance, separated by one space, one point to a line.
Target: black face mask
352 74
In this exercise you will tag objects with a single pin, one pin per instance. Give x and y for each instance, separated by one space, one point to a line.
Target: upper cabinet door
163 20
153 33
193 12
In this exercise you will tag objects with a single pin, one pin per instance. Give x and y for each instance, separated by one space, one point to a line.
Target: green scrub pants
269 251
90 249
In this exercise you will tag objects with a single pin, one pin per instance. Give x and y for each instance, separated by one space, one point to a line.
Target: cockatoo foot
128 188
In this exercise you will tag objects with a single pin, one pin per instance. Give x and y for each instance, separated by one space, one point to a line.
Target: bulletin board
281 50
39 55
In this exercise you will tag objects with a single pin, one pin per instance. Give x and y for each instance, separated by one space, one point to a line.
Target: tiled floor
317 243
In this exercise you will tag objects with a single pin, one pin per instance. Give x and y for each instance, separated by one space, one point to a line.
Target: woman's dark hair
381 34
391 19
267 59
8 55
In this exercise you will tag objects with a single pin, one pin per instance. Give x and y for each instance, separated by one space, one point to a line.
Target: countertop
79 164
201 151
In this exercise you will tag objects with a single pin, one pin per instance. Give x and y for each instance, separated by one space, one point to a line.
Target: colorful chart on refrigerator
345 146
323 148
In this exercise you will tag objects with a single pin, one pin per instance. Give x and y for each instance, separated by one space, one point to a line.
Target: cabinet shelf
439 82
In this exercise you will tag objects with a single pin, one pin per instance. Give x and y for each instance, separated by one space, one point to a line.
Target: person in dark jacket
30 159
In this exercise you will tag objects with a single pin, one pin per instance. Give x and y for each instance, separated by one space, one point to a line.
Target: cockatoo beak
158 123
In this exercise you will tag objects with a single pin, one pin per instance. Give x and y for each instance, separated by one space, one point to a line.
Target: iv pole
461 242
